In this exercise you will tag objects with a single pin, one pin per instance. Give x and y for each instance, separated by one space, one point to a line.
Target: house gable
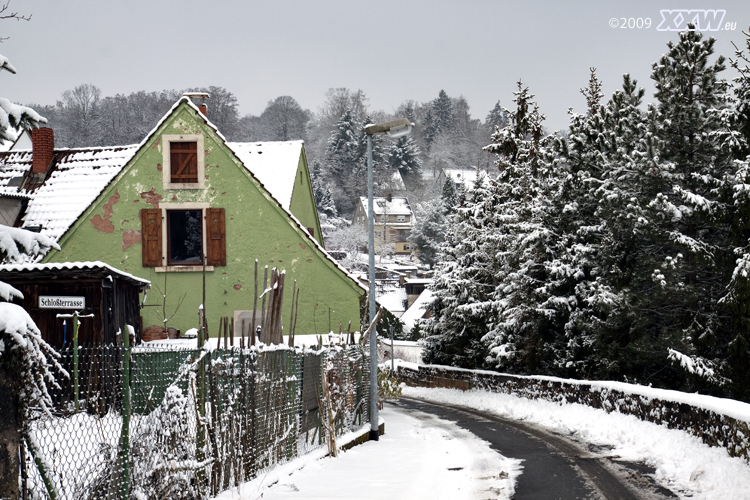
302 204
257 227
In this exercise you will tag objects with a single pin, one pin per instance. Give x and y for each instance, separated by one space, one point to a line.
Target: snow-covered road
421 457
682 463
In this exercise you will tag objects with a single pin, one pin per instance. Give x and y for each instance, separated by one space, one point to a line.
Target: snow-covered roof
274 164
418 281
461 175
6 269
381 206
417 310
79 175
392 298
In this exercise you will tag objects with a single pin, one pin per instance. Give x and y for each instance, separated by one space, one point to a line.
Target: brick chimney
199 99
43 149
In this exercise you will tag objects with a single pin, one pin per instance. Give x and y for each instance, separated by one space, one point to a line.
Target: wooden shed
111 295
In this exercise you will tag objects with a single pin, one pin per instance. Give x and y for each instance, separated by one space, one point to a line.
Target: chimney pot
204 109
43 149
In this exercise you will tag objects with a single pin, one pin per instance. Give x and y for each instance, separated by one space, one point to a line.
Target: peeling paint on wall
130 238
104 224
152 197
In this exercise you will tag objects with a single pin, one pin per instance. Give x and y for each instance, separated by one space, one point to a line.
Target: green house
157 209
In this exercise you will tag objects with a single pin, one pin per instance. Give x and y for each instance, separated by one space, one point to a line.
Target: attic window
183 161
183 158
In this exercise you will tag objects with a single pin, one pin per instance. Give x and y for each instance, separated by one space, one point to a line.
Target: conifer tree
497 118
697 139
442 111
449 196
429 230
404 156
522 336
462 309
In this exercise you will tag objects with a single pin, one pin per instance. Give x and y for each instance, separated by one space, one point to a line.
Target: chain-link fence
159 423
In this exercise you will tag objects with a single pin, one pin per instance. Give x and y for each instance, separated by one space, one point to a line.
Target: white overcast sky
391 49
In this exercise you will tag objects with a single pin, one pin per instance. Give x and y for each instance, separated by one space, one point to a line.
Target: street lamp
395 128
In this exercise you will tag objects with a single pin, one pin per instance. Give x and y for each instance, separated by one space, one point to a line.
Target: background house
462 178
156 209
394 220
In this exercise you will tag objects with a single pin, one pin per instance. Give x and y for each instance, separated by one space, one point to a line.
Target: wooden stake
263 304
291 315
242 336
296 312
255 302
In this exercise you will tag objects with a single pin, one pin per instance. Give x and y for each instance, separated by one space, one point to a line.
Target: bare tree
284 119
80 108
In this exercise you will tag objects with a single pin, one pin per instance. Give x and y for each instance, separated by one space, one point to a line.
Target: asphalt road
555 468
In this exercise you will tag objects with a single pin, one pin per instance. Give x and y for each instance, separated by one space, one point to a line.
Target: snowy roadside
683 463
420 456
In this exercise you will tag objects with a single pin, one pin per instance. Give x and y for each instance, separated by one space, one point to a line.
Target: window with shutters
183 161
184 237
177 236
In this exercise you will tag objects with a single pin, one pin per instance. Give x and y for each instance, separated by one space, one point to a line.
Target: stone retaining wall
712 428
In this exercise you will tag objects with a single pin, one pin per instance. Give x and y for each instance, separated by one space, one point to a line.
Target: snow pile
683 463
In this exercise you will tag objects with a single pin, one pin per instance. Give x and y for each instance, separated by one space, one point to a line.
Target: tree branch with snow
19 245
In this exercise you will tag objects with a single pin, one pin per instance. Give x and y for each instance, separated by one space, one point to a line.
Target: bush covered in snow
21 341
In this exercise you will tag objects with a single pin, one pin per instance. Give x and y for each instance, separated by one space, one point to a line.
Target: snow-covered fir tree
695 131
492 262
462 309
428 232
497 118
522 335
322 193
404 156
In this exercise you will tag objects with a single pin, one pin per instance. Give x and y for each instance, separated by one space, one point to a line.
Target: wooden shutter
183 162
216 238
151 237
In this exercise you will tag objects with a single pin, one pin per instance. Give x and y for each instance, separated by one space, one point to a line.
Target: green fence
150 422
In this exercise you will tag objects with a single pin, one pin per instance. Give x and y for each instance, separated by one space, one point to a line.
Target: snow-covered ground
683 463
418 457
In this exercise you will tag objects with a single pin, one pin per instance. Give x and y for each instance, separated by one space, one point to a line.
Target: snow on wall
716 421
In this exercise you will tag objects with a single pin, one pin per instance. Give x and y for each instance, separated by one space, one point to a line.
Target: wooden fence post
125 434
10 437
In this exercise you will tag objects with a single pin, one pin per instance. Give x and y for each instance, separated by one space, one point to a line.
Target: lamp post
395 128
